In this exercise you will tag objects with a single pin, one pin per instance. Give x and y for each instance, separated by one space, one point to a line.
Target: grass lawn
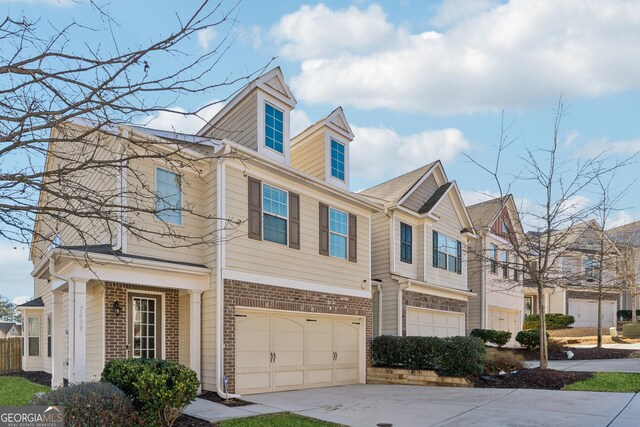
276 420
18 391
608 381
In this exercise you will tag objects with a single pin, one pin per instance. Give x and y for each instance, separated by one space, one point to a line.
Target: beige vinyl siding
240 124
556 302
389 307
161 245
475 282
208 298
95 331
275 260
183 329
403 268
309 154
451 226
421 194
380 224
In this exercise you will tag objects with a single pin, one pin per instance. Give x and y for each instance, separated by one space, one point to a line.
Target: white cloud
622 218
453 11
21 299
383 153
205 37
600 146
515 55
471 197
319 31
299 122
178 121
251 36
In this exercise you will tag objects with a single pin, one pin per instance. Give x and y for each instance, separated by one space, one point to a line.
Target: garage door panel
346 376
426 322
585 313
505 320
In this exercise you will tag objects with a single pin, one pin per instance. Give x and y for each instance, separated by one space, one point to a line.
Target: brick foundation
255 295
116 327
417 299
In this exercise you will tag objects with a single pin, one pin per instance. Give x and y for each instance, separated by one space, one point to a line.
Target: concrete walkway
602 365
369 405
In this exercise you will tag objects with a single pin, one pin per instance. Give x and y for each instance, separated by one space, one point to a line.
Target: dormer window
273 128
337 160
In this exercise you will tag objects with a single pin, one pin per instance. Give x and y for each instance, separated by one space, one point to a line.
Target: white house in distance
417 254
494 275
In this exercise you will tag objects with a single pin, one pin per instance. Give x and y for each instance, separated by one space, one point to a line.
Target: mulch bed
213 397
187 421
580 353
546 379
38 377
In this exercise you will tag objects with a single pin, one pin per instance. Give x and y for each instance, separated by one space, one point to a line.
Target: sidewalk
214 412
602 365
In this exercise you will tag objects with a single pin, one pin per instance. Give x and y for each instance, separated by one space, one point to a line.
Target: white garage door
277 352
434 323
505 320
586 313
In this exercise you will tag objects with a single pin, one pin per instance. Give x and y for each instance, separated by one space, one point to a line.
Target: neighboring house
10 330
574 291
282 302
494 268
627 239
418 256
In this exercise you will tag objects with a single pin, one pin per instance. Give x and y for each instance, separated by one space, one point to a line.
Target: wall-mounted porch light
116 308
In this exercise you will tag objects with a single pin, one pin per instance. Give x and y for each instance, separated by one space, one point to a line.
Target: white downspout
401 288
220 213
120 185
378 286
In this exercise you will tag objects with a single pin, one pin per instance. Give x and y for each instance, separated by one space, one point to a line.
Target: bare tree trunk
599 341
634 303
544 353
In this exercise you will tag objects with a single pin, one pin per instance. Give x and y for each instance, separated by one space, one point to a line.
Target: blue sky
419 80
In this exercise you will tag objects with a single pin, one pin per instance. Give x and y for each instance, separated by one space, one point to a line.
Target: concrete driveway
411 406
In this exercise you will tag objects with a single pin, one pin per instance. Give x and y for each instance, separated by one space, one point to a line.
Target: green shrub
98 404
626 314
159 389
454 356
504 362
498 338
554 321
529 338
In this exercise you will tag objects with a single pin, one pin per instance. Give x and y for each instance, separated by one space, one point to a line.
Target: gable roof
435 198
5 327
36 302
628 234
483 214
396 188
335 120
271 82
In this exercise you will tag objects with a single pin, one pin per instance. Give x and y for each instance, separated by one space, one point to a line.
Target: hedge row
498 338
454 356
626 314
553 320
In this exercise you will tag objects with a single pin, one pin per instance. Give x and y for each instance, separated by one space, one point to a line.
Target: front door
144 329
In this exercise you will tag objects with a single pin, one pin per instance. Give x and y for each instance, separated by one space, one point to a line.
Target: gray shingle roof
5 327
482 214
435 197
36 302
628 234
394 189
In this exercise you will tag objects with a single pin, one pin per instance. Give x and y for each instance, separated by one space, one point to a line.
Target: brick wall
246 294
116 327
417 299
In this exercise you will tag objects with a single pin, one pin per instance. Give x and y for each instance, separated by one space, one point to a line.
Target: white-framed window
275 214
337 160
493 258
338 233
447 253
591 268
273 128
505 264
49 335
33 336
168 196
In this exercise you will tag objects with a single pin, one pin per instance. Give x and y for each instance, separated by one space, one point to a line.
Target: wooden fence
10 355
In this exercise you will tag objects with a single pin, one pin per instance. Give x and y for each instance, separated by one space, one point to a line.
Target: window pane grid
338 232
33 332
275 214
144 327
273 128
337 160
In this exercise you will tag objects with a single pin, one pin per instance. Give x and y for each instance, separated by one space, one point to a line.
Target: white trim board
293 284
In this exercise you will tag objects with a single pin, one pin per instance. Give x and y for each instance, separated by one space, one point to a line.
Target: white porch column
77 330
57 332
195 299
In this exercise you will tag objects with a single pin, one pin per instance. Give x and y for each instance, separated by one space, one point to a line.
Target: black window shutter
255 209
353 238
435 248
459 257
294 221
324 229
